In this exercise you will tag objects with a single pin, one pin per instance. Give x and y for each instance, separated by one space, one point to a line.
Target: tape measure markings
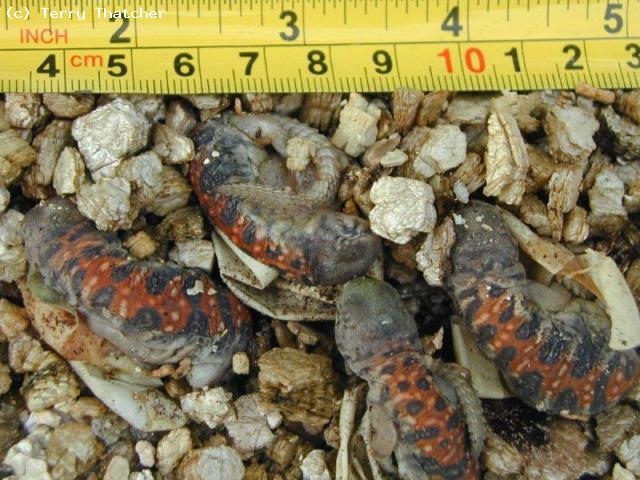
302 47
184 61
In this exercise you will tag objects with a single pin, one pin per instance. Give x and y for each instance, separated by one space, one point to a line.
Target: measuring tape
218 46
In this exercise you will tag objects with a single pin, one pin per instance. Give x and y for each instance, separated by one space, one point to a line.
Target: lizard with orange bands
410 399
558 362
156 312
283 219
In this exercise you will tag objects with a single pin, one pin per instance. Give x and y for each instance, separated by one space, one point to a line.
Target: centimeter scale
218 46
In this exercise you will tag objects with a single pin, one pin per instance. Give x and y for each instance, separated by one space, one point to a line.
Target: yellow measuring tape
185 46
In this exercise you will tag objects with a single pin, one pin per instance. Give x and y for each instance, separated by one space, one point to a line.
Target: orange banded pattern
157 312
553 361
380 343
305 240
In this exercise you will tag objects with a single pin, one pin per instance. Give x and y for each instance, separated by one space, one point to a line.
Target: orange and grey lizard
283 219
556 362
156 312
435 425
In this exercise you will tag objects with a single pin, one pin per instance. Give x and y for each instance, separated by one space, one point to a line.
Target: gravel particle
506 159
146 453
213 462
460 191
445 148
107 203
49 386
183 224
534 213
117 469
50 144
321 110
404 105
207 102
193 254
172 448
48 418
13 262
629 104
174 194
250 428
394 158
15 155
629 453
299 153
73 450
28 457
69 173
108 134
570 131
172 147
468 109
597 94
208 406
240 363
5 197
621 473
314 466
68 106
23 110
576 226
180 117
301 385
141 245
564 190
434 253
145 474
357 129
620 134
606 195
144 171
403 208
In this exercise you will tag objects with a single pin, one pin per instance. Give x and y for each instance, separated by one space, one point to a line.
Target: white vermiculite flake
403 208
357 129
69 173
107 203
445 148
108 134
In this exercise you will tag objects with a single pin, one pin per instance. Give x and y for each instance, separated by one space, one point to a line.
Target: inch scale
224 46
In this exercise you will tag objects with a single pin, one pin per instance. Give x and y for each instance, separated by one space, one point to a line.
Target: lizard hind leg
45 293
449 377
